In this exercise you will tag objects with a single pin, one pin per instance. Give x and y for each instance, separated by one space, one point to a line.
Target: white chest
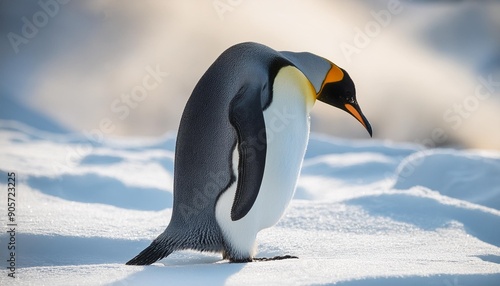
287 130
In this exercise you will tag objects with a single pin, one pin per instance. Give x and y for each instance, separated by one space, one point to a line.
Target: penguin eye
349 97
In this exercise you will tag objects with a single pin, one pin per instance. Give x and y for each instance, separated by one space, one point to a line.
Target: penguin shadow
93 188
179 268
185 268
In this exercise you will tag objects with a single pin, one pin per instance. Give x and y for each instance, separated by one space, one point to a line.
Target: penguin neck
305 87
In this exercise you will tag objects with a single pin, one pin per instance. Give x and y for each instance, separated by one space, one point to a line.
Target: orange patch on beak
352 110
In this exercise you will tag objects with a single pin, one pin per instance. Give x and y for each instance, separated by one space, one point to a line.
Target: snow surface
365 213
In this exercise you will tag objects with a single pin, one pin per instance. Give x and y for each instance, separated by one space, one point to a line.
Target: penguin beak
355 111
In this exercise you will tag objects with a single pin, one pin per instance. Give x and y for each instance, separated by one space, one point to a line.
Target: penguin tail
154 252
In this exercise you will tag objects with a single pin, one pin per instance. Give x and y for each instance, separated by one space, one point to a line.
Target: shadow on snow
92 188
429 214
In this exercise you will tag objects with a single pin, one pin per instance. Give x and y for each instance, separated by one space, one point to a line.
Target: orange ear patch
335 74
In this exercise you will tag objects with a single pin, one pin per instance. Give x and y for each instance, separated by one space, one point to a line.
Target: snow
365 213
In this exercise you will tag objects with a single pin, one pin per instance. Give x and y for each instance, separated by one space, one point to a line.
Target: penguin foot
245 260
275 258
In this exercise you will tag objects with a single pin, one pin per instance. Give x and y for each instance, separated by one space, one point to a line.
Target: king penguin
240 147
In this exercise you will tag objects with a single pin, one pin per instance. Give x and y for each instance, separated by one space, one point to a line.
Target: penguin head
338 90
332 84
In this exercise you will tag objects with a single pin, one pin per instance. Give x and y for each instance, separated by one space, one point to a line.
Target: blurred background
426 72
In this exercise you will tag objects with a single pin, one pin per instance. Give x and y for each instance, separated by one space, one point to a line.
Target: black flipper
247 117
